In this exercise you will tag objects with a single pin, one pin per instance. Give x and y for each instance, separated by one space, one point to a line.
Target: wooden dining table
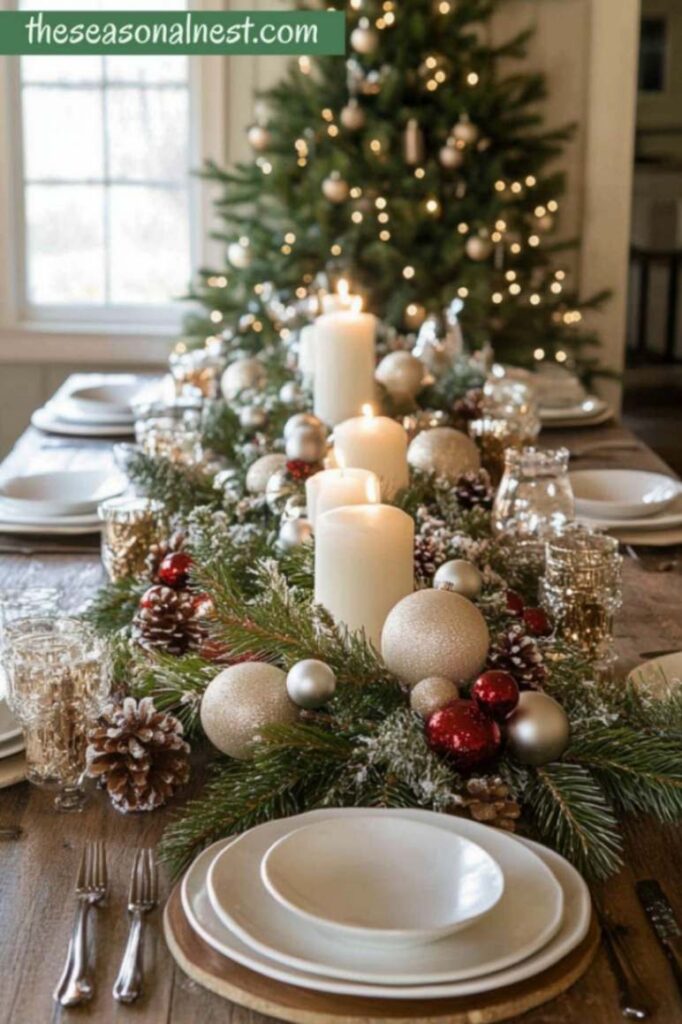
38 866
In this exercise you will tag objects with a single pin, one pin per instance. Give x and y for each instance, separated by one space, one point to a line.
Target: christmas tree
418 168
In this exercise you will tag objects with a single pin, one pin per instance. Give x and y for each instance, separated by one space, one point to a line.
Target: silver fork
144 895
75 985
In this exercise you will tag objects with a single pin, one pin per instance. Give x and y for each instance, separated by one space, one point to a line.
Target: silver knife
661 917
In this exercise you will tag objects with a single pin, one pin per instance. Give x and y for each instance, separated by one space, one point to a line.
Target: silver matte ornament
239 254
303 419
459 576
259 137
335 188
246 374
464 131
432 694
293 533
311 683
280 486
352 116
290 393
478 248
538 730
240 702
450 156
260 471
444 451
401 374
364 39
252 419
306 444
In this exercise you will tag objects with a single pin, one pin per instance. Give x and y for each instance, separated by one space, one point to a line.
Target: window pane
62 69
149 244
62 133
148 133
143 70
66 241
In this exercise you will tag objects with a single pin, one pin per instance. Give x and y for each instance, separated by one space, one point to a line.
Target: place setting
637 506
57 502
96 405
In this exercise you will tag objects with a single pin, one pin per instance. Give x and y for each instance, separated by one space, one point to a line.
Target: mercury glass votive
582 590
129 528
171 432
535 500
196 372
19 608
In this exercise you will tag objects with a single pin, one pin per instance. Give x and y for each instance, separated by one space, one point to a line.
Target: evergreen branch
114 606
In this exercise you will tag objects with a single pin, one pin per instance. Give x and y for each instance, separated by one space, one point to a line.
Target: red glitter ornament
300 470
537 621
465 733
496 693
174 570
514 603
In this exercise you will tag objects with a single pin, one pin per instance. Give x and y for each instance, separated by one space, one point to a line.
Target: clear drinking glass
19 606
534 500
130 527
58 686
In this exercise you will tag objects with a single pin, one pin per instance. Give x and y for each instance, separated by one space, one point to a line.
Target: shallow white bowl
60 492
622 493
113 397
382 881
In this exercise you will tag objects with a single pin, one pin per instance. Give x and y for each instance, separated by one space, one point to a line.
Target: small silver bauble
242 375
259 137
239 255
401 374
538 730
311 683
352 116
460 576
279 487
290 393
432 694
478 248
252 419
306 444
293 533
464 131
303 419
260 471
450 156
335 188
364 39
445 452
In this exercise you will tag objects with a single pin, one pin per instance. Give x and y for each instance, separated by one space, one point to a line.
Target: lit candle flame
343 289
367 410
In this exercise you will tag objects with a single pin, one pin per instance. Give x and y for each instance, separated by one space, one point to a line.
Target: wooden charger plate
303 1006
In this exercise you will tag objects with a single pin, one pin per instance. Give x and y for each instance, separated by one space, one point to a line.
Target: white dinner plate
573 928
660 676
665 520
526 918
11 748
355 880
622 493
59 493
9 729
9 517
111 395
588 409
47 419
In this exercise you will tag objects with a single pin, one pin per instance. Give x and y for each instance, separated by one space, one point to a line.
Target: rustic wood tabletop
38 869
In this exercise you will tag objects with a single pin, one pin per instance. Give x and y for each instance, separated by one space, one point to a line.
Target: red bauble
300 470
174 570
514 603
496 693
465 733
537 621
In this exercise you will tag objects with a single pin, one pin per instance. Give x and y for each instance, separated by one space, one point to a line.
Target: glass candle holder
171 432
130 527
582 590
494 435
196 372
19 607
534 500
58 686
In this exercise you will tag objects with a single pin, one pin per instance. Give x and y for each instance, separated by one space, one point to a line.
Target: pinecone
468 407
169 620
474 490
429 552
488 801
138 754
157 552
517 653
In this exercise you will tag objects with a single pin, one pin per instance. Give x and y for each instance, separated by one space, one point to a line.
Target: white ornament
444 451
303 419
464 131
293 533
478 248
311 683
335 188
259 137
252 419
260 471
240 702
352 116
244 374
290 393
364 39
306 444
450 156
401 374
239 254
459 576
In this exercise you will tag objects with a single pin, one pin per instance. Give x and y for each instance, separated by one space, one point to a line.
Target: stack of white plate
403 904
98 405
589 412
630 503
58 501
11 739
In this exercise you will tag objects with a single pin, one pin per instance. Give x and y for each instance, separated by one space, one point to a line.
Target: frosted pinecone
168 620
468 407
474 490
430 551
487 799
157 552
517 653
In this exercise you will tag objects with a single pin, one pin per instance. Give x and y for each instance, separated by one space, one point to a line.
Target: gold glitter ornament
240 702
444 451
432 694
435 633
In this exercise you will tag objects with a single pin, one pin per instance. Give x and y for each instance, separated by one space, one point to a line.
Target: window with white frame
104 171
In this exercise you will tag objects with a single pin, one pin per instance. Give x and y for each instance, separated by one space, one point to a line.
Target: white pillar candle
344 364
364 564
377 443
334 487
306 351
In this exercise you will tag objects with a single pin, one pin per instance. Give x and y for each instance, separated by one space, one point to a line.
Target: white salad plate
660 676
588 409
48 419
669 518
11 748
572 929
69 492
111 396
356 880
9 729
72 413
622 493
527 916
